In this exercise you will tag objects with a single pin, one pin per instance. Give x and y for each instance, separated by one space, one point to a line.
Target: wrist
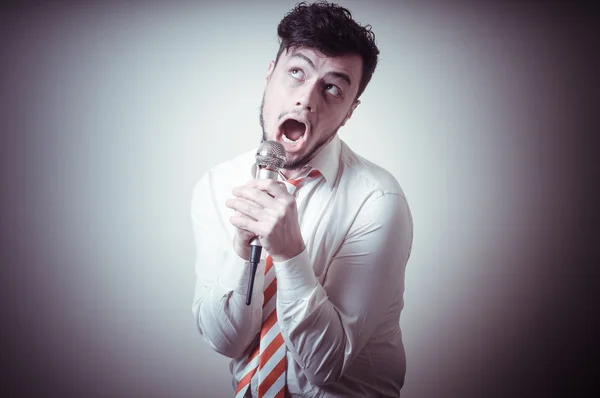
288 254
242 251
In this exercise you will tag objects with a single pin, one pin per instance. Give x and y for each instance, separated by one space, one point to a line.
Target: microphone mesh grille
270 154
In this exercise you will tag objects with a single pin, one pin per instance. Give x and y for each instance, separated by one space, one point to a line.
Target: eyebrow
339 75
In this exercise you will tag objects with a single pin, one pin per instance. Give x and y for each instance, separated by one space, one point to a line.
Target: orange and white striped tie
268 360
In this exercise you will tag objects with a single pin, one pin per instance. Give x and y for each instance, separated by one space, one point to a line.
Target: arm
227 324
326 326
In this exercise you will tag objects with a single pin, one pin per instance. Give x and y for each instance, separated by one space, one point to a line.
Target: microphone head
270 154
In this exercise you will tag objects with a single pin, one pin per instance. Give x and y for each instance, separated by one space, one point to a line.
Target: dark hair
330 29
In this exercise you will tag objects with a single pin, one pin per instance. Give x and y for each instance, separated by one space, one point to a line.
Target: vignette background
113 110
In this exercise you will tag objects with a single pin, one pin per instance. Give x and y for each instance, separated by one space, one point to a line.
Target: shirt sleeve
227 324
326 326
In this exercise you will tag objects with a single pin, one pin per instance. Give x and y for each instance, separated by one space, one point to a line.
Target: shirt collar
327 161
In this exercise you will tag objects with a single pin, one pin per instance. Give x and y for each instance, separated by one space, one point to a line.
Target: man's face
307 98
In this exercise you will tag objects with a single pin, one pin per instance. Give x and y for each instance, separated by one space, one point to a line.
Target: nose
307 97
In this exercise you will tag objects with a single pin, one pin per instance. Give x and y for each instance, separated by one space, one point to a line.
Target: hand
264 208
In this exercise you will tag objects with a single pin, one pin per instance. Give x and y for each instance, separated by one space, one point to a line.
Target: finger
246 224
254 195
242 231
276 189
245 207
243 235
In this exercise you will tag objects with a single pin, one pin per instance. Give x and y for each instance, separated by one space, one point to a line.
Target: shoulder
362 173
232 169
239 165
219 179
381 200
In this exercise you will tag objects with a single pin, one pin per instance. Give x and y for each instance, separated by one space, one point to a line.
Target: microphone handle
255 247
255 251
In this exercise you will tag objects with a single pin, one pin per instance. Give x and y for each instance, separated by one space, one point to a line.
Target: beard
303 161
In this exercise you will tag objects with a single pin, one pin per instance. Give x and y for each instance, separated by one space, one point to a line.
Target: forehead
350 64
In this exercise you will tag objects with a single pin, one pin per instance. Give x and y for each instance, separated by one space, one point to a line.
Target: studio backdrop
116 109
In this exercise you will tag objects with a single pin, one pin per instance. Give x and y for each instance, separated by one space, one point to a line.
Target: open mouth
292 131
293 134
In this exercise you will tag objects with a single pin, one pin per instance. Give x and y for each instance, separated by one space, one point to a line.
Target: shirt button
257 312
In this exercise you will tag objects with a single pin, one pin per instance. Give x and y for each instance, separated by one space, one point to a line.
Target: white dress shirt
338 301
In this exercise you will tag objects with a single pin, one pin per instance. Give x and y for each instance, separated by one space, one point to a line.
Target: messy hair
329 29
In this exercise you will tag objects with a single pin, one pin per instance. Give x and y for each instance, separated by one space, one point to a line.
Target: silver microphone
270 157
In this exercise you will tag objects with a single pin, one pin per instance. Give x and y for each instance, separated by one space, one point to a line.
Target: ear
270 70
352 108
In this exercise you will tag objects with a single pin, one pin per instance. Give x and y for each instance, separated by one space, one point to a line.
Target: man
325 311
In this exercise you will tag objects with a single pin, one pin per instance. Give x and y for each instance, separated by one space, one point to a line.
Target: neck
289 173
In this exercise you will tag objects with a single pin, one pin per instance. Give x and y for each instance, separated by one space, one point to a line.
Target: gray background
113 110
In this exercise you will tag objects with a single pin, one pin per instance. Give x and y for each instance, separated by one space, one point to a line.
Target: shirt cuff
296 279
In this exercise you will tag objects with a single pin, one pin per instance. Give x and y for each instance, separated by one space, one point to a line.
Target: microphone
270 157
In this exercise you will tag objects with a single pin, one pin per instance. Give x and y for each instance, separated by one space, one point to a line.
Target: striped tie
268 359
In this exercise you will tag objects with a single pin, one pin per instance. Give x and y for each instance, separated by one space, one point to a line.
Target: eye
296 73
333 90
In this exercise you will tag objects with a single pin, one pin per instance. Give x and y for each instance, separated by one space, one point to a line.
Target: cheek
269 99
279 95
270 112
331 122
